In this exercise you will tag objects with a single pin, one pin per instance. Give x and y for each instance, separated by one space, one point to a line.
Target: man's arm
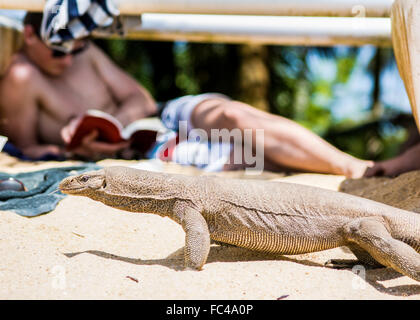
134 101
19 112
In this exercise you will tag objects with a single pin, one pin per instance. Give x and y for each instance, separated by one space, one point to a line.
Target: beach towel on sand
40 196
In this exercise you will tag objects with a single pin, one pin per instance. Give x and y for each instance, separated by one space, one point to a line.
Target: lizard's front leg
197 235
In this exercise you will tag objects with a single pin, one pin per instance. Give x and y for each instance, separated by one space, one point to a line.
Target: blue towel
39 197
65 21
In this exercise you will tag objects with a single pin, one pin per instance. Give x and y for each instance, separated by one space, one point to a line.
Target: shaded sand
401 192
85 250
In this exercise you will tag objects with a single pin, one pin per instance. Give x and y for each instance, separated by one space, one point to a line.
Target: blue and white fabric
65 21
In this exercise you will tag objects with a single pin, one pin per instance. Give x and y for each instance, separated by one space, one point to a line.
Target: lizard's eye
84 178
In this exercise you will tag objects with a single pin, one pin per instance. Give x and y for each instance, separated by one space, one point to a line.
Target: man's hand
68 131
407 161
96 150
90 148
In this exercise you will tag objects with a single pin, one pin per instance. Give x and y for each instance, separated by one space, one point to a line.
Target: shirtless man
42 96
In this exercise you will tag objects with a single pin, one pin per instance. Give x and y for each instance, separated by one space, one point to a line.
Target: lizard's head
84 184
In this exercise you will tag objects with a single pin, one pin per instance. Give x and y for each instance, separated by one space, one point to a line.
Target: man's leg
286 143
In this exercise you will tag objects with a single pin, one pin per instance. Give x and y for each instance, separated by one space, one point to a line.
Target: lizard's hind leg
371 235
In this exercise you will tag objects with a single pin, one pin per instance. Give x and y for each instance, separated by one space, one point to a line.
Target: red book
142 133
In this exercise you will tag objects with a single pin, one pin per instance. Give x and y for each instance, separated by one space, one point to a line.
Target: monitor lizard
268 216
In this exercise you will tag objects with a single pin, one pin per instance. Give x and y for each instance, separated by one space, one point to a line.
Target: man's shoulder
21 71
95 55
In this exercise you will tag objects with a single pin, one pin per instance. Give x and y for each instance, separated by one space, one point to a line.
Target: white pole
270 30
343 8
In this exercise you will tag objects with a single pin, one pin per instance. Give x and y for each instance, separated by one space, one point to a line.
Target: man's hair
34 19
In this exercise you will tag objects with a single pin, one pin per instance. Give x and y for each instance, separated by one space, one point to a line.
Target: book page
151 124
3 141
107 116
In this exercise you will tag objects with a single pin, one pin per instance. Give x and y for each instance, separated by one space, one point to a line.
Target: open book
142 133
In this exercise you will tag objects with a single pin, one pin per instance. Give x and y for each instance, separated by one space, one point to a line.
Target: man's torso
59 99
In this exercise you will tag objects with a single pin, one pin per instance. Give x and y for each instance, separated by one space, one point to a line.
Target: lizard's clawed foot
189 268
347 264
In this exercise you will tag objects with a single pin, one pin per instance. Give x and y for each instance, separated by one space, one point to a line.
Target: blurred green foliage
169 70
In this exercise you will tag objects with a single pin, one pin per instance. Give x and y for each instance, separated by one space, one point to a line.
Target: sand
401 192
85 250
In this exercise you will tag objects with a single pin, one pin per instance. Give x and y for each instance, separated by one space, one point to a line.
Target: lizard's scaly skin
260 215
